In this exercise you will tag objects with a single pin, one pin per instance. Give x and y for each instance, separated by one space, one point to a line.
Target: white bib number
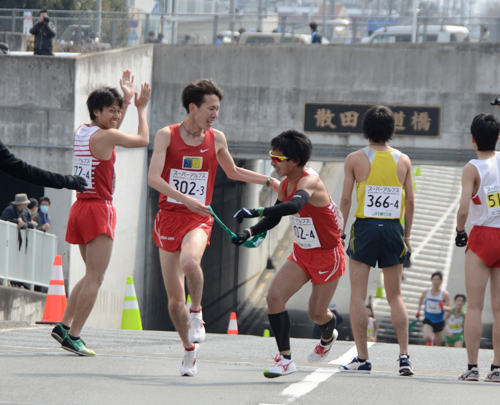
305 232
383 201
432 307
193 184
82 166
493 200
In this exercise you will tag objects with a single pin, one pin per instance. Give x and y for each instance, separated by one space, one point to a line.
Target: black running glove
496 101
76 183
246 213
461 239
241 237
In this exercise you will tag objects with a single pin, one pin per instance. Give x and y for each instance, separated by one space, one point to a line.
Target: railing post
216 28
497 38
13 24
354 29
283 27
113 33
79 33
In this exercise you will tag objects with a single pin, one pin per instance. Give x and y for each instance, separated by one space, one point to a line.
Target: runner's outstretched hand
241 237
141 100
246 213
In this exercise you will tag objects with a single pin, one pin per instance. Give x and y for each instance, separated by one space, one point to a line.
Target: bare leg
428 334
438 338
476 278
173 277
69 313
458 344
399 314
495 305
192 249
288 280
358 274
319 300
98 255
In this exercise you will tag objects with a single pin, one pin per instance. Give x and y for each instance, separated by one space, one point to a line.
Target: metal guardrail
77 30
26 256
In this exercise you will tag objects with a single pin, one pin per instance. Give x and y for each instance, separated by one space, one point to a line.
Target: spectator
241 31
151 38
43 31
365 40
160 38
29 213
43 218
13 211
187 39
485 34
316 36
220 39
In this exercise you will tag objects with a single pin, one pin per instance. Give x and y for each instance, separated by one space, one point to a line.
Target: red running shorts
484 241
90 218
321 265
170 228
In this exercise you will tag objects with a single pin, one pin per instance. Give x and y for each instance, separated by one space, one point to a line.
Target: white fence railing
26 256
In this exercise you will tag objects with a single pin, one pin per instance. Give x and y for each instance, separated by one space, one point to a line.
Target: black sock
287 356
471 366
327 330
361 360
65 327
494 367
280 324
73 338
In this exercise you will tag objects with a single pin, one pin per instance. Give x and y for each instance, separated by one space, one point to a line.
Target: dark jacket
28 218
43 32
11 214
24 171
42 219
316 37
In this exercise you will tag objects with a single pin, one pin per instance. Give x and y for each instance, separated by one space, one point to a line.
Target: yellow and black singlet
381 195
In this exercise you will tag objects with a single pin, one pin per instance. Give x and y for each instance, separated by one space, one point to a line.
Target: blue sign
133 36
157 9
134 23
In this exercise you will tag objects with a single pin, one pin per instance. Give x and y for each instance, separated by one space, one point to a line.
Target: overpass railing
200 22
26 256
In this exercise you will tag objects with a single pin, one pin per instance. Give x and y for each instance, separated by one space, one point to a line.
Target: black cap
496 101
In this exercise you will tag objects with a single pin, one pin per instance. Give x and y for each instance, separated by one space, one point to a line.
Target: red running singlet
190 170
100 174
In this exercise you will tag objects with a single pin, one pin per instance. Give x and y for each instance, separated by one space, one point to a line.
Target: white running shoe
470 375
320 352
196 328
188 367
493 376
282 367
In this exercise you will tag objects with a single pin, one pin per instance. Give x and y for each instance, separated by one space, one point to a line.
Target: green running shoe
59 333
77 347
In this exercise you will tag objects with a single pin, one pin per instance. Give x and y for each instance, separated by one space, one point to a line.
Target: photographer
43 31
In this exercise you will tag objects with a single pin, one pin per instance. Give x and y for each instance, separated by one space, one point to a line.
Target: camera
46 19
496 101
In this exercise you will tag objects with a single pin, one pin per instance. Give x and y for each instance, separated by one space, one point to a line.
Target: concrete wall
92 71
21 305
16 40
37 124
266 86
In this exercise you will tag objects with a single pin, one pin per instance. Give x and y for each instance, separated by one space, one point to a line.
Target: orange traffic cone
56 296
233 325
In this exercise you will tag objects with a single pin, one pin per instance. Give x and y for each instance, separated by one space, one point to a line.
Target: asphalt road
142 367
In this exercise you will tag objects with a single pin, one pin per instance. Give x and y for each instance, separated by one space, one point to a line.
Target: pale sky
146 5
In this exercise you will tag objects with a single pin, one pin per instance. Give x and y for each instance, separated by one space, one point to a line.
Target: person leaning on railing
21 170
